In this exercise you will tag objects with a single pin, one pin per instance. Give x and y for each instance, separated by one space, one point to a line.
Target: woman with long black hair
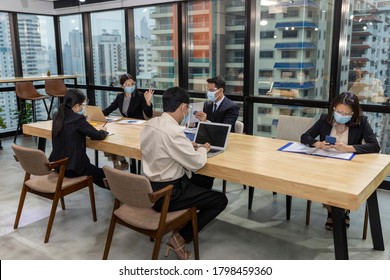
69 132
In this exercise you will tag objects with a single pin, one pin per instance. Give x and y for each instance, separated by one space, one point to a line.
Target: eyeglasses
343 113
213 89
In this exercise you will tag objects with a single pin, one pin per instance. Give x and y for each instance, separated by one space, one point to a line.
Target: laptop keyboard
213 151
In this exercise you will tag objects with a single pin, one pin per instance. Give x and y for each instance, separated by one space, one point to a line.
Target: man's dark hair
173 97
218 81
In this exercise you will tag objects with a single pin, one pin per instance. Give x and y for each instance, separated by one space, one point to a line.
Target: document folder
300 148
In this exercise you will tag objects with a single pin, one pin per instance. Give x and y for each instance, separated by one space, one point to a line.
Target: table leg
42 144
339 234
288 207
97 158
133 166
375 222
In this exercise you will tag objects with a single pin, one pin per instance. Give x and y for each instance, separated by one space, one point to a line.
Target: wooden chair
289 128
55 88
42 180
238 128
26 91
134 199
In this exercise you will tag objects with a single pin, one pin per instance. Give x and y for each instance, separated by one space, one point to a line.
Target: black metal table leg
375 222
42 144
339 234
288 206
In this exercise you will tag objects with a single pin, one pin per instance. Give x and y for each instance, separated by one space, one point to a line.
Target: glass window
216 32
292 72
73 46
108 47
156 46
368 71
7 99
37 44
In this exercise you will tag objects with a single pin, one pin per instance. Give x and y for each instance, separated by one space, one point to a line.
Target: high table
255 161
37 78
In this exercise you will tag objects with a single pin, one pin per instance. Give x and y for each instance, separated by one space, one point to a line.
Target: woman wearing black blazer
131 104
69 132
351 129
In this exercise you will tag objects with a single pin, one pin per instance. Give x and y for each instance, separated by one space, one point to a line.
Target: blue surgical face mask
185 120
340 118
211 96
82 112
129 89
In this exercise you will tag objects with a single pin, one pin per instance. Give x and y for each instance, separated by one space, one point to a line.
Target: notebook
216 134
94 113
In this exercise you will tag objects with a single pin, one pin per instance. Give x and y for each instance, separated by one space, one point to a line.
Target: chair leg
365 223
47 110
34 111
52 216
250 197
62 200
195 233
308 209
157 244
20 206
109 237
92 198
288 207
19 126
50 107
224 186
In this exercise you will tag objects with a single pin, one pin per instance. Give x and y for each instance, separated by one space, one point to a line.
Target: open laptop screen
215 134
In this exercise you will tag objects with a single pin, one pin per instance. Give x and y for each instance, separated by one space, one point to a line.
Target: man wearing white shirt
168 157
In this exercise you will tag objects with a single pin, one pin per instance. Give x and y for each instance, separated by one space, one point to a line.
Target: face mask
185 119
81 112
211 96
129 89
340 118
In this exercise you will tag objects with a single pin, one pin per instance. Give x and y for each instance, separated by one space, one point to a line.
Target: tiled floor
262 233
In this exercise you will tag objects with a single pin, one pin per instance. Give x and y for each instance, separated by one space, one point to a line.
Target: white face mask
185 119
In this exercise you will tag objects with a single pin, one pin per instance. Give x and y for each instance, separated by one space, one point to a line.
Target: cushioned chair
26 91
134 199
56 89
42 180
238 128
289 128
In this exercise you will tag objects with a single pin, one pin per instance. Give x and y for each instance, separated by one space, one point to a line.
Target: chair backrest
128 188
55 87
291 128
25 90
33 161
239 127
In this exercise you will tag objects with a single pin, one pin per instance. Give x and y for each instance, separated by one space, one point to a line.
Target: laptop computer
94 113
216 134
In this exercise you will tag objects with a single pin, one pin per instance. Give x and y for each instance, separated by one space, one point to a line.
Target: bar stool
26 91
55 88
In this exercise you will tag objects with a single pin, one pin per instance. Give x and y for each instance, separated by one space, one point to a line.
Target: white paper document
195 107
296 147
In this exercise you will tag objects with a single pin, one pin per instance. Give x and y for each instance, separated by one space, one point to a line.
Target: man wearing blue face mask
131 104
346 123
170 158
218 108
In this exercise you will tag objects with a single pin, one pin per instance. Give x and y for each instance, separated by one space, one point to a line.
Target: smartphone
331 140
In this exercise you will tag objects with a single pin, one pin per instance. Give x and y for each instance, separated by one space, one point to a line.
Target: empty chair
26 91
134 199
289 128
55 88
42 180
238 128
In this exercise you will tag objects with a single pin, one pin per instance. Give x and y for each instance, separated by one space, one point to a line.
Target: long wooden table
255 161
37 78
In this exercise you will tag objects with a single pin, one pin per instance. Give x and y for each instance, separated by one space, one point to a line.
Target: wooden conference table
255 161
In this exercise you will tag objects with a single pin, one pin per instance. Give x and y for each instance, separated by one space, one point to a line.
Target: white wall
45 7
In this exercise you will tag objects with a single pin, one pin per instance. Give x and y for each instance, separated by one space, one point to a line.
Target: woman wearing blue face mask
346 123
131 104
69 132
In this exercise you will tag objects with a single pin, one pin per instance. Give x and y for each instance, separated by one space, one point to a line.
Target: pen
105 124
